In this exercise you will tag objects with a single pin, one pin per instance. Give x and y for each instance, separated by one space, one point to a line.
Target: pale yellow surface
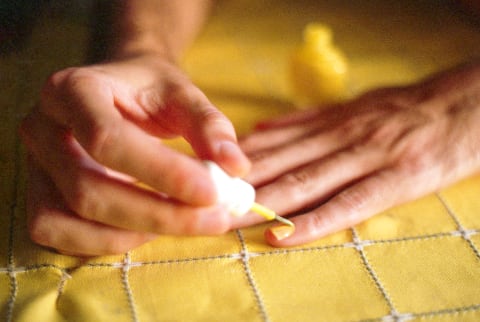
417 262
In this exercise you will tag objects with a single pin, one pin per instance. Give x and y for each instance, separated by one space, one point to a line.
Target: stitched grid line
171 261
453 311
427 315
400 317
126 286
61 285
359 246
464 233
13 295
245 255
11 236
11 270
21 269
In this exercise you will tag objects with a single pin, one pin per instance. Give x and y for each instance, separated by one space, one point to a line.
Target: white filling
235 194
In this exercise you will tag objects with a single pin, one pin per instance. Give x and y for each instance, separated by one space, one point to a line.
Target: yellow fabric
419 261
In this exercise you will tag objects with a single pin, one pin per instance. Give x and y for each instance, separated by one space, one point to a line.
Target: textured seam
463 232
126 285
246 265
359 246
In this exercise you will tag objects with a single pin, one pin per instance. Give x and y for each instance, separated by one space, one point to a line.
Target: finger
267 139
295 118
51 224
88 108
269 164
69 234
187 111
356 203
311 185
95 196
213 137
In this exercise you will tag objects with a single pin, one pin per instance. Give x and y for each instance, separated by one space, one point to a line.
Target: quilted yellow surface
419 261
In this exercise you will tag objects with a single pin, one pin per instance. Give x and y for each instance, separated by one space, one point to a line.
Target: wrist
147 47
155 27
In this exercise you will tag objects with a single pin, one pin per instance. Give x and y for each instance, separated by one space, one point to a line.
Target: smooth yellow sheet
420 261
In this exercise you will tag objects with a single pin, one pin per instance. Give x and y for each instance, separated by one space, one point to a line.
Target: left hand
334 168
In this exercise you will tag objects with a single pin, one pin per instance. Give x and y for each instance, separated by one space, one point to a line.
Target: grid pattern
261 306
417 262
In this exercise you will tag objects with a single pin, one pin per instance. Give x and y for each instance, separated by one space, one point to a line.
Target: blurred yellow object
318 69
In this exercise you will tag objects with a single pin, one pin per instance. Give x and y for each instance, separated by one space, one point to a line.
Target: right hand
95 134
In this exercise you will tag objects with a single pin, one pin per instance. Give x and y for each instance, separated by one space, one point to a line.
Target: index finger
86 106
356 203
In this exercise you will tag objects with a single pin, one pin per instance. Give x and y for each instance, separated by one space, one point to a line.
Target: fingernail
282 231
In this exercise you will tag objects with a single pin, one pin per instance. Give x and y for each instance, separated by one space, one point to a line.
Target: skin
334 168
96 132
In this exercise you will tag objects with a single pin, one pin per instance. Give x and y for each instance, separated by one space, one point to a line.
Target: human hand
95 134
334 168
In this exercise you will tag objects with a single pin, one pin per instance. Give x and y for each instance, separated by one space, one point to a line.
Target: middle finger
310 185
89 190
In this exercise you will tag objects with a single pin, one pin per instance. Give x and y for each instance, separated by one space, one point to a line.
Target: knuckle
317 222
412 159
357 149
66 79
96 134
55 81
353 200
151 100
299 178
77 77
261 157
100 138
298 182
321 223
379 135
347 126
414 165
